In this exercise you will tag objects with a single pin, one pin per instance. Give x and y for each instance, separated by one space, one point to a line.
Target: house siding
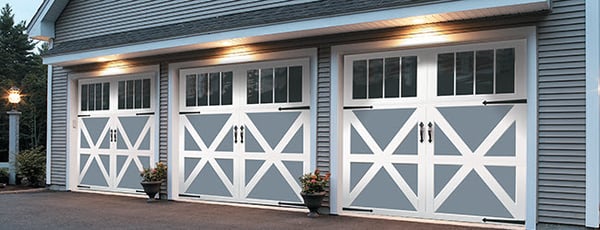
323 145
163 121
83 19
58 124
561 100
561 111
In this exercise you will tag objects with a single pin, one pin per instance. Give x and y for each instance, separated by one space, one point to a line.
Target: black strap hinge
517 101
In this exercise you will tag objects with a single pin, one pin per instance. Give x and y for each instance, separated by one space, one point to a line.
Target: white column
13 144
592 110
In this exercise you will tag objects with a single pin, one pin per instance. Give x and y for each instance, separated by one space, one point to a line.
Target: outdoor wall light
14 95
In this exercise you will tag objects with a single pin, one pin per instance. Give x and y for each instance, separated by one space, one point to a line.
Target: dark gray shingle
290 13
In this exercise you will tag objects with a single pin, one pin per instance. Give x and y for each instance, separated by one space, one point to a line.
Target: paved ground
68 210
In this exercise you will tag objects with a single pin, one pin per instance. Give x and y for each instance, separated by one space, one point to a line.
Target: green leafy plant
31 166
158 173
314 182
3 175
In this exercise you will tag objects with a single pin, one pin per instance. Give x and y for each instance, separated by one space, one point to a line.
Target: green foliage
22 67
314 182
3 172
158 173
31 165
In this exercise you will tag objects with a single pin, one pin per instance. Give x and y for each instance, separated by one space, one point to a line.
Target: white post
13 144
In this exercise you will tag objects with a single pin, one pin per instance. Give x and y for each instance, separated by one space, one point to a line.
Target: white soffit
421 14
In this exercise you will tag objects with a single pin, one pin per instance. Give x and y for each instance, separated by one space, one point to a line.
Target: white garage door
244 132
420 141
116 132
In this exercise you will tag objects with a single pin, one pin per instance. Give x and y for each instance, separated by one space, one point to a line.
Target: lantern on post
14 97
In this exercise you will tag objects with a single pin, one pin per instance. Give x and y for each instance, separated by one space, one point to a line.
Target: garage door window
391 77
476 72
274 85
206 89
95 97
134 94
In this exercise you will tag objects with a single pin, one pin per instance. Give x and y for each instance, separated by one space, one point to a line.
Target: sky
22 9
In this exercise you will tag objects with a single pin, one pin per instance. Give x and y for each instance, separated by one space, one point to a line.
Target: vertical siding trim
592 133
532 125
49 127
336 175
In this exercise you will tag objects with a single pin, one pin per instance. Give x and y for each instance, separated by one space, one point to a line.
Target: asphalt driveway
70 210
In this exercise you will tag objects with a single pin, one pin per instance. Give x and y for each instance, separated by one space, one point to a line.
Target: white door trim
337 53
175 104
73 109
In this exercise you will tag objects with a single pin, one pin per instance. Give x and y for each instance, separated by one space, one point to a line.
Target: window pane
375 78
359 79
121 93
505 70
146 94
295 84
202 89
445 74
226 88
215 88
409 76
464 73
252 87
105 96
392 77
266 85
190 90
281 84
484 72
98 96
92 97
84 97
137 102
129 97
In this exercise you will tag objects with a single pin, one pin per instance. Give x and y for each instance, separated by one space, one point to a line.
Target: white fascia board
286 30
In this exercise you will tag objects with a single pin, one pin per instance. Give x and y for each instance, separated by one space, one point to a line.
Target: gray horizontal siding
561 99
58 127
84 18
324 111
163 122
561 107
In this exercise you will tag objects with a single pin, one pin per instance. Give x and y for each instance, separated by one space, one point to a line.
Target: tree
20 66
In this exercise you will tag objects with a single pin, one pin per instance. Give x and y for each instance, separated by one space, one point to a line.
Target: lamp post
14 97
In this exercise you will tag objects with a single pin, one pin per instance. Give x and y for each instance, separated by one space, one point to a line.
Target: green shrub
3 176
31 166
3 172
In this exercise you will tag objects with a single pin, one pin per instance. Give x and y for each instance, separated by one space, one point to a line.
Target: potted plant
152 178
313 190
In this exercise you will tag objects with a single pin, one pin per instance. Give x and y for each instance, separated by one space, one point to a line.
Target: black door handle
241 134
421 125
430 130
111 135
235 134
115 132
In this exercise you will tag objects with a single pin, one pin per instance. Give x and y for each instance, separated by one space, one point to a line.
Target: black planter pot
151 188
313 202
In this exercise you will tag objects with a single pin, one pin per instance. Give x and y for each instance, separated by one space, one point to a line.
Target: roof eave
41 26
465 9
